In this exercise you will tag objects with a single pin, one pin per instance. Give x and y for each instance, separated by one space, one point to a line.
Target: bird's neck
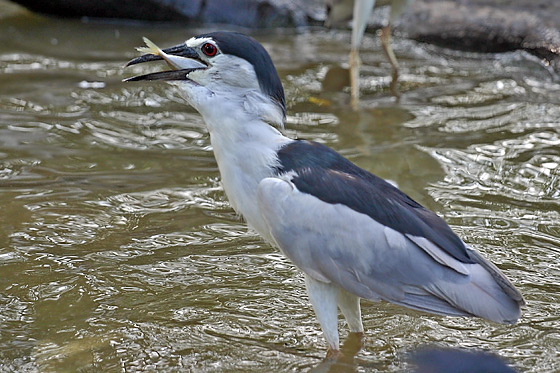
246 152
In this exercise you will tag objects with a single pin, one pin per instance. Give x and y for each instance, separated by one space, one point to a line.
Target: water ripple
119 250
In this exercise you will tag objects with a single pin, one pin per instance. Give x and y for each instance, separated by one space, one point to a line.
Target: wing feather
327 175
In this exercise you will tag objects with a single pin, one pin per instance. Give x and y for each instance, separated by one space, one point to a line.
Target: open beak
182 60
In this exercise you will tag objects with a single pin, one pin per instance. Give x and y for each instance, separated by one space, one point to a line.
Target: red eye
209 49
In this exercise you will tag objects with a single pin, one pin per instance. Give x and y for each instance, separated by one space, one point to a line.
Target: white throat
245 155
245 145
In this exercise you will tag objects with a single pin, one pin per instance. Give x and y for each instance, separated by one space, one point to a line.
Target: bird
351 233
359 11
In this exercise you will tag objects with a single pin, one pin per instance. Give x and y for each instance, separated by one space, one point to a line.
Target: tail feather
484 292
482 296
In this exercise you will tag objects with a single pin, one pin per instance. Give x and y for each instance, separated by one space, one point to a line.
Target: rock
488 26
245 13
476 25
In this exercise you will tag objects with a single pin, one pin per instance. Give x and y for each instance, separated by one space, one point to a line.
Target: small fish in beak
180 58
152 49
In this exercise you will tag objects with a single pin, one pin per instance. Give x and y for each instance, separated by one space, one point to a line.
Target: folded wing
399 260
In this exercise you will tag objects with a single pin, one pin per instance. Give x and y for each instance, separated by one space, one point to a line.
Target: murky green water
119 252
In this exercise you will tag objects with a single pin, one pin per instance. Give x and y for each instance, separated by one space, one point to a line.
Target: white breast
245 156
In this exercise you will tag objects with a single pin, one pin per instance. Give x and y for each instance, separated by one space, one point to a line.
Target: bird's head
225 69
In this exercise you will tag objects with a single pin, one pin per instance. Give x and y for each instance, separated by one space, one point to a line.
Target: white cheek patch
236 71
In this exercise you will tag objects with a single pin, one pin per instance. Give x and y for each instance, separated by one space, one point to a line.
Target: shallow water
119 251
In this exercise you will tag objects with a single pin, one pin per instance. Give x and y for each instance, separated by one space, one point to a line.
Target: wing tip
503 282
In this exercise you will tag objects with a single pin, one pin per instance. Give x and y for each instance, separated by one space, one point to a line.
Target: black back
253 52
327 175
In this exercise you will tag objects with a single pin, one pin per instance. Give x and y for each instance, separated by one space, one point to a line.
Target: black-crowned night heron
351 233
359 11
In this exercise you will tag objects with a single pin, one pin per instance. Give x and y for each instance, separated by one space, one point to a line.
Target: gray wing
334 243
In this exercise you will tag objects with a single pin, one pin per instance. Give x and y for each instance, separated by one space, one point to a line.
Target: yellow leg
386 43
355 64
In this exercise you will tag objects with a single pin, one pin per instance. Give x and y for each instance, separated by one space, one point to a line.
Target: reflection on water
119 250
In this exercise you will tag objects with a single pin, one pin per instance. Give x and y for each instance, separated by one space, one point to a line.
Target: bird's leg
323 297
360 14
349 304
386 43
355 64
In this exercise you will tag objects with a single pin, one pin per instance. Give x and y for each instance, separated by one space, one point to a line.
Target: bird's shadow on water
426 359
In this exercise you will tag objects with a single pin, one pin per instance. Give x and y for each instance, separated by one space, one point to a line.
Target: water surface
119 251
